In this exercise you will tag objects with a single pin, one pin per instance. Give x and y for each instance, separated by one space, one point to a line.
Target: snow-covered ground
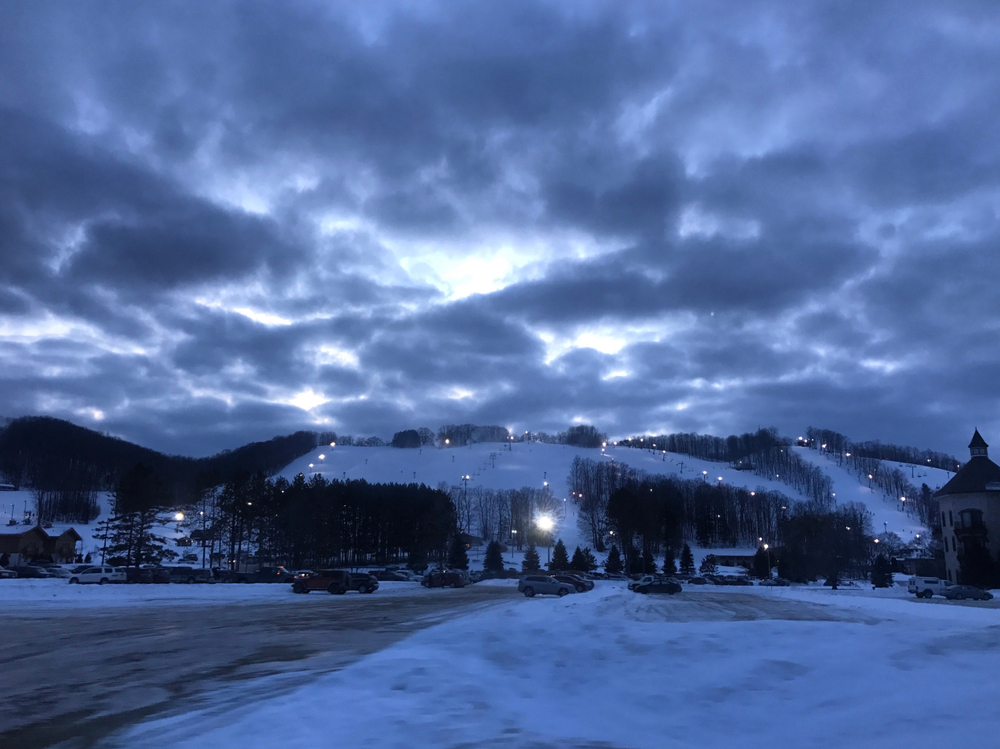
611 668
55 594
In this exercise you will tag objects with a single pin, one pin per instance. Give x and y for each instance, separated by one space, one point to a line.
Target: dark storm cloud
771 213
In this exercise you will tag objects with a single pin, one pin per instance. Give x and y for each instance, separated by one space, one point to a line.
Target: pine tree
761 569
881 572
669 566
494 558
531 561
709 565
648 562
687 561
613 564
458 558
579 561
591 560
560 558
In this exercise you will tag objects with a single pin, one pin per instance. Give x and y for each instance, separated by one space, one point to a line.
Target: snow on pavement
610 666
54 594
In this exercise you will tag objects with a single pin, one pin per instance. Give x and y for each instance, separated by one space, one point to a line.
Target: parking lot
80 673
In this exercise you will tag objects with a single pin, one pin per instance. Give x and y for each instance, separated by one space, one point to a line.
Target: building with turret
970 508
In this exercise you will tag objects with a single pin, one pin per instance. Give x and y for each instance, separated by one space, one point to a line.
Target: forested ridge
65 465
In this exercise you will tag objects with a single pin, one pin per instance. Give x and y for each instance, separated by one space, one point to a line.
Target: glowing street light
322 457
179 516
545 524
333 444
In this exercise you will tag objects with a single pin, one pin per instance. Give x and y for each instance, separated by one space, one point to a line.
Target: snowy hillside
499 466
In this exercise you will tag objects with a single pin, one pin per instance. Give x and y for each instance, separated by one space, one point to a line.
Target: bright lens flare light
545 523
179 516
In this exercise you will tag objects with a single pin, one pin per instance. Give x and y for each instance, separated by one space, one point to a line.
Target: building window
951 519
945 544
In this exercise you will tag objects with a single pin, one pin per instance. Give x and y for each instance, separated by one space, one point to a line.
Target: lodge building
970 508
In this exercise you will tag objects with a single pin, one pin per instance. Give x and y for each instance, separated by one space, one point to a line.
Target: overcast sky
225 221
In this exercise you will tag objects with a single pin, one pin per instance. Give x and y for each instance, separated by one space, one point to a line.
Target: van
927 587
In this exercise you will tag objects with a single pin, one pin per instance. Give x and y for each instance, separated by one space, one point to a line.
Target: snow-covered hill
499 466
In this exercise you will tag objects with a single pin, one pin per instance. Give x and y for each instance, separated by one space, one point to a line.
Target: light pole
767 549
545 524
513 533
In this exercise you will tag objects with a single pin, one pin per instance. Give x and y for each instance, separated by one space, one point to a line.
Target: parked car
658 585
147 574
698 581
644 580
961 592
926 587
616 576
775 582
576 581
392 576
533 585
31 571
190 575
6 574
100 574
54 569
337 582
262 575
444 579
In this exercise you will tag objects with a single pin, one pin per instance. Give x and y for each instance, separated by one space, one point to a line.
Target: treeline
833 543
647 511
763 453
502 514
66 465
863 460
839 445
300 524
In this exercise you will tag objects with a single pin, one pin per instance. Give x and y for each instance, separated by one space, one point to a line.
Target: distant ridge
55 455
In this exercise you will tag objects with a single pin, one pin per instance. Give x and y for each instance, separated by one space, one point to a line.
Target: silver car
533 585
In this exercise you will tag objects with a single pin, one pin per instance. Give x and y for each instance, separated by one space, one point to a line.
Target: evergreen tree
560 558
760 568
579 561
138 507
709 565
531 561
613 564
669 565
648 562
687 561
882 572
590 559
458 558
494 558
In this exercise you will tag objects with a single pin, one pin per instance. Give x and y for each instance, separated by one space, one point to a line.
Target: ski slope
501 466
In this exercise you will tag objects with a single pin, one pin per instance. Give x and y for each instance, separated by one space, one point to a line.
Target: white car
99 575
927 587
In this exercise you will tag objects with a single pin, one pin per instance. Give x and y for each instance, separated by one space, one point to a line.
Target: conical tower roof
980 474
978 441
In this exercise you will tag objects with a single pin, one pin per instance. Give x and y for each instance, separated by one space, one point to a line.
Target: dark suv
444 579
190 575
581 585
337 582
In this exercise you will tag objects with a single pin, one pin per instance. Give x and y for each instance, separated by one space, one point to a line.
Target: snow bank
54 594
608 667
